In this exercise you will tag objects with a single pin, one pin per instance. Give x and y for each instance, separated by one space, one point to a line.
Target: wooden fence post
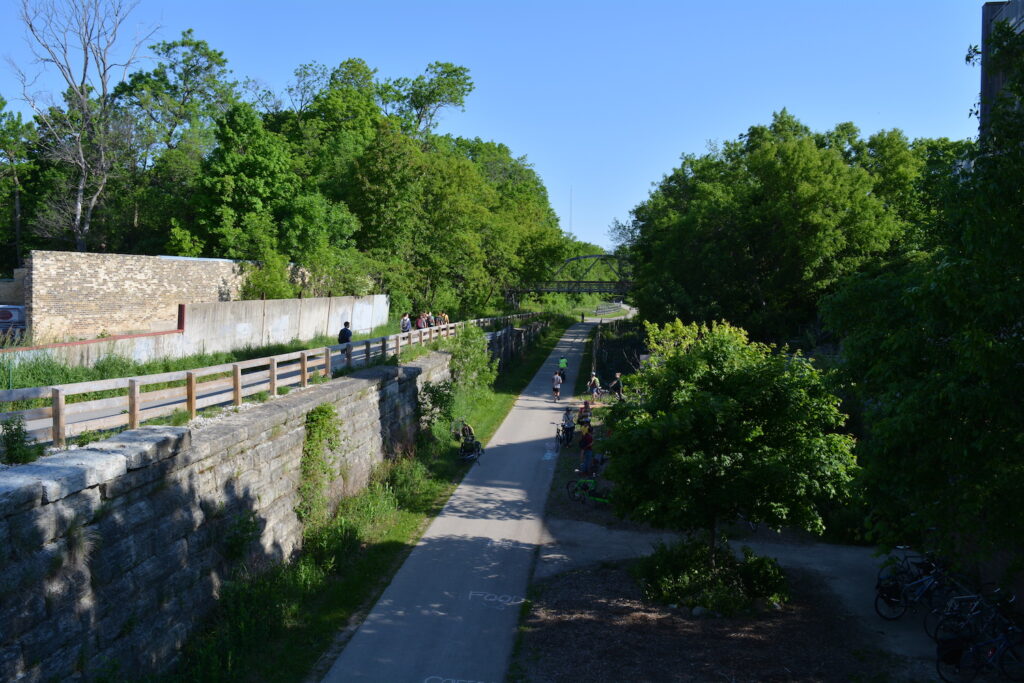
398 344
421 336
133 404
348 356
384 347
58 417
327 362
304 369
191 384
236 383
272 371
367 353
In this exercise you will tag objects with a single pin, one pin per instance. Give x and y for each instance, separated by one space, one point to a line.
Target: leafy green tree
718 426
932 345
416 102
15 140
756 231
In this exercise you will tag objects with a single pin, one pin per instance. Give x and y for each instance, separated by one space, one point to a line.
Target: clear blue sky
603 97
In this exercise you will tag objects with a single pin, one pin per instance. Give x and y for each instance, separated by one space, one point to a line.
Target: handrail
269 373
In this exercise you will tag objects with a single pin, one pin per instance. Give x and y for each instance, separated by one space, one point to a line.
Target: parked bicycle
961 658
588 489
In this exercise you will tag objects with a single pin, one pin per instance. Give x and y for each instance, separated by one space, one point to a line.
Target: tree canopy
348 183
717 426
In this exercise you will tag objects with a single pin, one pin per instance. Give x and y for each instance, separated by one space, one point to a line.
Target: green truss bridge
619 283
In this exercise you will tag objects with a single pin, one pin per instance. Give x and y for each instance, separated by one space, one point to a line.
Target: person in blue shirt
345 336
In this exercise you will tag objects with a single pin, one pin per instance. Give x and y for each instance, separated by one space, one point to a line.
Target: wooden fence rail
226 384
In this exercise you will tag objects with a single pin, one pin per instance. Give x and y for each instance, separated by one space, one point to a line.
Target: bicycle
587 488
563 436
907 581
959 659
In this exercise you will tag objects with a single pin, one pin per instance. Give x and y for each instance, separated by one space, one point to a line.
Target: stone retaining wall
111 554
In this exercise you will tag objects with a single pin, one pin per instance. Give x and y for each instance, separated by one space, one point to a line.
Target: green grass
274 625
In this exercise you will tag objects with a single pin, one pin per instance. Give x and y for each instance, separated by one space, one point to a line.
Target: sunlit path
451 611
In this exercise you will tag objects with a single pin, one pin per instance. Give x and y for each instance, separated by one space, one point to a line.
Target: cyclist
563 365
616 386
568 426
594 385
556 384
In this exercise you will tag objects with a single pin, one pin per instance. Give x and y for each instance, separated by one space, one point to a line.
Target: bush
683 574
15 444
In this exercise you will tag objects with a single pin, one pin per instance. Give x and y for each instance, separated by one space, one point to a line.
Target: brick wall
155 504
72 295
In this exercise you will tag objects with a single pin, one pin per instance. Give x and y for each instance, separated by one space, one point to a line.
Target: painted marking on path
551 450
494 600
448 679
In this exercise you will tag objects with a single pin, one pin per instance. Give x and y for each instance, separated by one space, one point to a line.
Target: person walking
406 324
345 335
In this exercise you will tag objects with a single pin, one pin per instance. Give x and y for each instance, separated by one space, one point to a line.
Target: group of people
423 321
593 384
580 419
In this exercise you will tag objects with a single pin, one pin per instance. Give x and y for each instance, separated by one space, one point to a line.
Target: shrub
15 443
684 574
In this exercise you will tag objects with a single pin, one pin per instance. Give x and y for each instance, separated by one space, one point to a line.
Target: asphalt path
450 613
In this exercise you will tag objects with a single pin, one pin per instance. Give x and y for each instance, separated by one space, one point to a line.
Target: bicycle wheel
957 665
1011 662
575 493
888 606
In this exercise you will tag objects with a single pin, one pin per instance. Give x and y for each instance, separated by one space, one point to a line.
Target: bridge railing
579 287
193 390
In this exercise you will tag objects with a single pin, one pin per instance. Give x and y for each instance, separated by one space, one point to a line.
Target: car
12 318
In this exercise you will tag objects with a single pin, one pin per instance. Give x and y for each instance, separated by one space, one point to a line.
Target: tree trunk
17 223
712 542
76 221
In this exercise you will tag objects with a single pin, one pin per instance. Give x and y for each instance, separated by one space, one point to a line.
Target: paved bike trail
451 611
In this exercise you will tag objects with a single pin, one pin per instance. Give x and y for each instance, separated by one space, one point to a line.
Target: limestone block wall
73 295
12 291
110 555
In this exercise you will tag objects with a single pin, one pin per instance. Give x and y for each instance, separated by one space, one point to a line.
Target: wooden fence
196 389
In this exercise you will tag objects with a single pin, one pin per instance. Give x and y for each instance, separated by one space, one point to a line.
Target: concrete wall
155 505
225 326
71 295
12 291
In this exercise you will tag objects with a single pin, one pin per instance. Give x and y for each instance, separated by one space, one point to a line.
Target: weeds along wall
111 554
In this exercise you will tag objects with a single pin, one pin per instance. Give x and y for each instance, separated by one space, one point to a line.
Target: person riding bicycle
594 385
556 384
563 365
616 386
568 426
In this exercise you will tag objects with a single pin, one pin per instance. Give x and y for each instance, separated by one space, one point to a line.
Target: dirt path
582 594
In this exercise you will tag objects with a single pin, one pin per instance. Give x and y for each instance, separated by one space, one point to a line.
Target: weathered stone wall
109 555
72 295
12 291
